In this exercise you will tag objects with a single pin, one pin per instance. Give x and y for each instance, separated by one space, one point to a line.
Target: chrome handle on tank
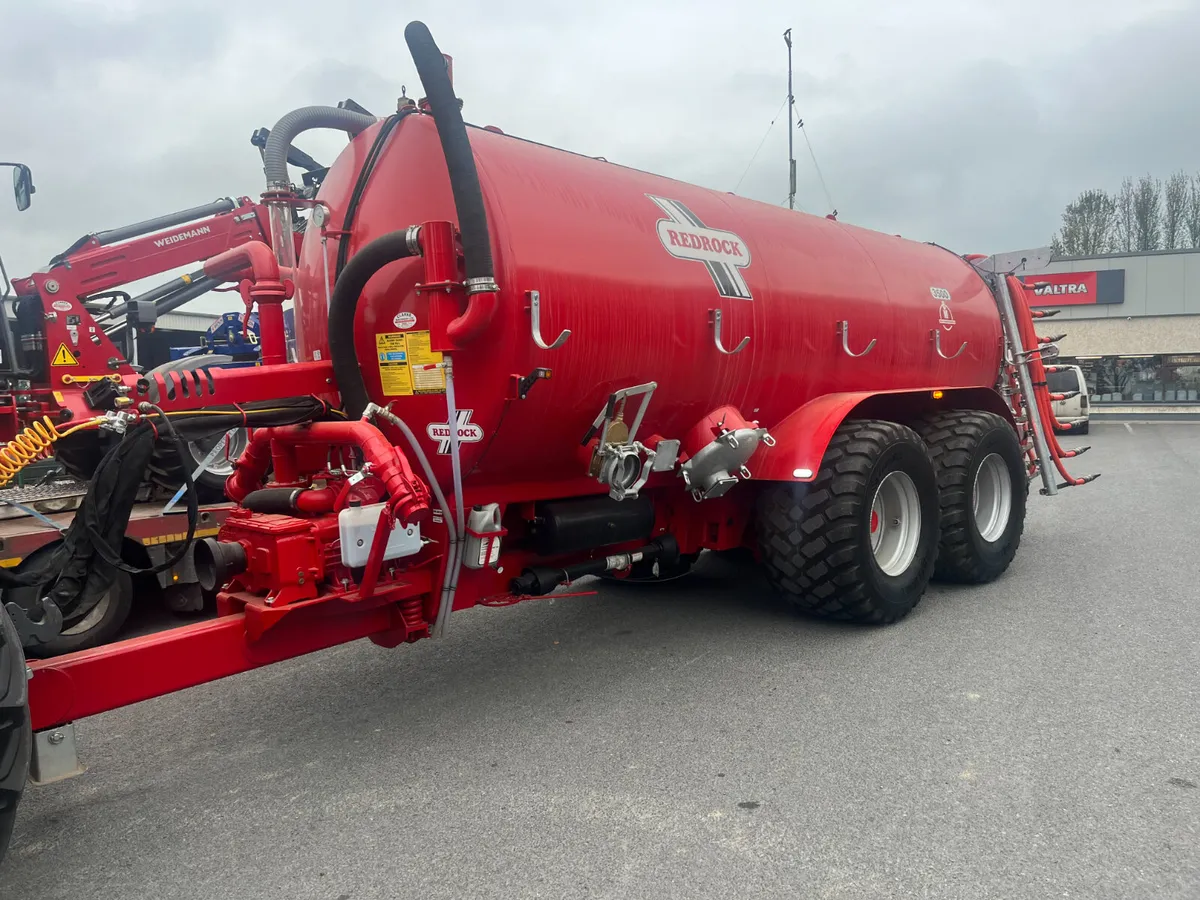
936 336
535 314
714 316
843 328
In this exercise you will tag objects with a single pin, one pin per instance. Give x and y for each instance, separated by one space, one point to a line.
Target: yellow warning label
401 356
391 352
64 357
425 381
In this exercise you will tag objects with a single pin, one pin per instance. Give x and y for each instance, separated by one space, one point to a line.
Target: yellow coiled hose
30 445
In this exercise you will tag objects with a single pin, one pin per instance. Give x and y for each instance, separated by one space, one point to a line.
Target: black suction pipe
460 162
343 304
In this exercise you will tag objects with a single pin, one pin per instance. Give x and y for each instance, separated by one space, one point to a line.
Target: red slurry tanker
519 366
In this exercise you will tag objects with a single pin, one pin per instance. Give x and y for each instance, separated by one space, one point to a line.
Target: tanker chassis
520 366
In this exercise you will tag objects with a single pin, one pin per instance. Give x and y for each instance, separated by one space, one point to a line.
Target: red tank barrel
636 266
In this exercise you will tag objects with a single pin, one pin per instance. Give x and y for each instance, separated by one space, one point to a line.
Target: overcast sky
968 122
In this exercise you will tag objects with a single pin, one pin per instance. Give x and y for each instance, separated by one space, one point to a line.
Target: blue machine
225 336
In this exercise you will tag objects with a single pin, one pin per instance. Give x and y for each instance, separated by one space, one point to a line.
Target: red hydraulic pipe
316 501
481 309
409 493
440 252
266 288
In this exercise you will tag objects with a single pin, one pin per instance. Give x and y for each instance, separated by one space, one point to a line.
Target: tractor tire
859 543
983 492
80 454
99 625
16 740
165 467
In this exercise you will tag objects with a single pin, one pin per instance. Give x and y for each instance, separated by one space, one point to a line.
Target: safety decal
64 357
723 253
394 374
426 379
945 314
407 364
468 431
404 320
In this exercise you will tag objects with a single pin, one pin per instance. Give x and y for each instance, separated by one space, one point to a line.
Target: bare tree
1087 225
1126 220
1147 214
1175 203
1193 212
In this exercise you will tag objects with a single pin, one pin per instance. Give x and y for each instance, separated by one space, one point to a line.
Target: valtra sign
1077 288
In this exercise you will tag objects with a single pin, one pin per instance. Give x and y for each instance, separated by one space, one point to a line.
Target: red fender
801 438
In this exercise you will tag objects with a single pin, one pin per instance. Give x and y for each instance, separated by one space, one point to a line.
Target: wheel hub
991 498
222 463
895 523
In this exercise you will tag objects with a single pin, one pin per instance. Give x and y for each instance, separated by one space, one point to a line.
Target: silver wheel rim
991 499
895 523
222 464
93 617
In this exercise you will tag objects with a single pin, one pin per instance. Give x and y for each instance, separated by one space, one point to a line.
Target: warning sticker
425 381
401 356
394 374
64 357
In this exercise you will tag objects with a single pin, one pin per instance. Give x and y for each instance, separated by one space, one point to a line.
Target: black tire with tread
815 538
104 629
15 737
80 454
958 442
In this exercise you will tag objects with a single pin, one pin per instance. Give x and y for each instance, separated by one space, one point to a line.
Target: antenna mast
787 37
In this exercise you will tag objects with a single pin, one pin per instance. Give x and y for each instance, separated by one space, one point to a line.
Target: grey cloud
125 115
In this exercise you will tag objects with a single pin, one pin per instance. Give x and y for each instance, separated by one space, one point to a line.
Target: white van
1073 412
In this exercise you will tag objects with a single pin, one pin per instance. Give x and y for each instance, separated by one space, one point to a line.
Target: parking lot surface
1034 738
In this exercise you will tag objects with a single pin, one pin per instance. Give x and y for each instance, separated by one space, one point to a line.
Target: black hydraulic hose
360 185
460 162
343 304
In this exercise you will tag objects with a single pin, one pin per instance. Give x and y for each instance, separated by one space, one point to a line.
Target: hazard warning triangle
64 357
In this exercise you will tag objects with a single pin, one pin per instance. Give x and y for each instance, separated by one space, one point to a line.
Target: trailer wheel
165 467
983 490
859 542
99 625
15 736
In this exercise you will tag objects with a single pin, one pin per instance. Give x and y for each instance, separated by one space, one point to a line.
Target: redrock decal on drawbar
1077 288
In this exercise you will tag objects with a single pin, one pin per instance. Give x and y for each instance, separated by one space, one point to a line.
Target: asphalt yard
1034 738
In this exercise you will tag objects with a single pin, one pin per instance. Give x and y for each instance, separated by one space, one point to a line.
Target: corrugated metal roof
186 321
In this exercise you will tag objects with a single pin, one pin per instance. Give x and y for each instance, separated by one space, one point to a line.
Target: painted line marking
1129 428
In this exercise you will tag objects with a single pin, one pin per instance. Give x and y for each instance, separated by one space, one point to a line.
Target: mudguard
801 437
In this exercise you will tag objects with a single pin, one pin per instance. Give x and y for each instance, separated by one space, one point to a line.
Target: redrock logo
182 236
685 237
1057 289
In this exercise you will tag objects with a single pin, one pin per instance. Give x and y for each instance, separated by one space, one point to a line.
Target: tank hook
936 337
535 314
714 316
843 328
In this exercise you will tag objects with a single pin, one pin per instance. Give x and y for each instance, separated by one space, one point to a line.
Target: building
1132 323
179 328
